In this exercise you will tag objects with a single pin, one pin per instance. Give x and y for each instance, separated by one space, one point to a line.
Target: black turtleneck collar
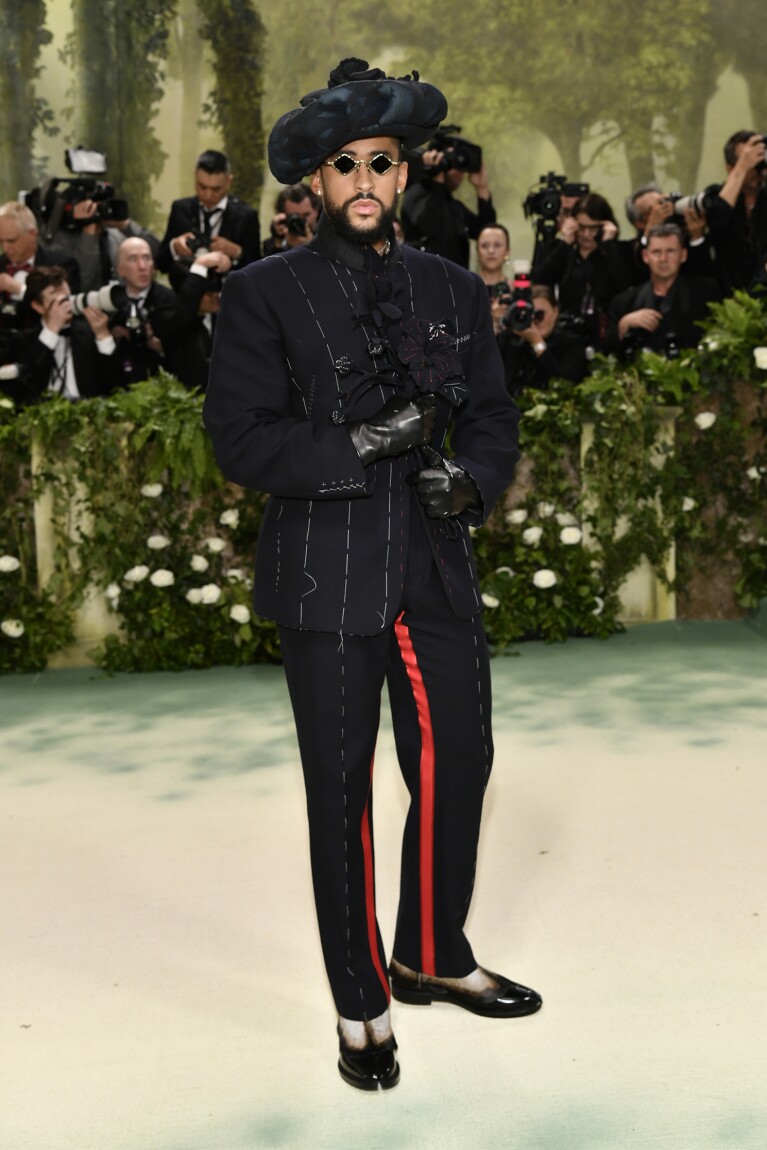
327 242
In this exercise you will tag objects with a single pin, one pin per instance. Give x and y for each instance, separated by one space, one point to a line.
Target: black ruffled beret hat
358 103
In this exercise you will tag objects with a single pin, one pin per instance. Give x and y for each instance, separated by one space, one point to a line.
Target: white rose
210 593
752 473
504 571
705 420
215 544
600 605
760 357
236 575
230 518
537 412
112 592
544 578
151 490
546 510
162 577
490 601
518 515
158 542
240 613
13 628
136 574
532 535
570 535
199 563
9 563
6 402
566 519
194 595
688 503
712 344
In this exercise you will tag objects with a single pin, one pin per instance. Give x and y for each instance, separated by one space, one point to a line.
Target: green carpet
162 984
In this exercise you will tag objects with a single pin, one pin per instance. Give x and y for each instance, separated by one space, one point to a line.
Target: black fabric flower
430 355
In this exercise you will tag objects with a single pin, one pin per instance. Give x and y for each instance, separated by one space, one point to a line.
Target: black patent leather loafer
509 1000
374 1068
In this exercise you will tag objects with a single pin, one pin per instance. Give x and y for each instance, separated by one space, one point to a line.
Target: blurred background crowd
652 205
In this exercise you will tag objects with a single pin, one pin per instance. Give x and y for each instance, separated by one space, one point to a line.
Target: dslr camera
54 203
519 317
111 298
700 202
459 154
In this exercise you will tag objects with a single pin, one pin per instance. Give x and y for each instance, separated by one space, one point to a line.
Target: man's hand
443 489
659 213
58 313
695 222
86 210
480 181
609 231
532 334
400 425
751 154
433 158
9 285
646 317
179 248
227 247
568 232
219 261
98 321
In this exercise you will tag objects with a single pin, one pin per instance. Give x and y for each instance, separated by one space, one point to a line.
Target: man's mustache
362 196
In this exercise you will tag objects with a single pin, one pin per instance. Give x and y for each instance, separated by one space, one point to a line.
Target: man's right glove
444 489
401 424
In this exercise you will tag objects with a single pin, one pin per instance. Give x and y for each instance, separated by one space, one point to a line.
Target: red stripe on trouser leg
426 806
370 893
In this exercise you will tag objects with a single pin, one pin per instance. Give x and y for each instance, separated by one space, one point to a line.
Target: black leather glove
444 489
400 425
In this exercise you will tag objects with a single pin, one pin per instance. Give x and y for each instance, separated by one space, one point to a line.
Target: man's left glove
443 488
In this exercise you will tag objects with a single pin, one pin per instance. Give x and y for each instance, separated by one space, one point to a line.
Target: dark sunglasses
345 164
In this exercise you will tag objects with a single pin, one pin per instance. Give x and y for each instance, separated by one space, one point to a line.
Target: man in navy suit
338 370
212 219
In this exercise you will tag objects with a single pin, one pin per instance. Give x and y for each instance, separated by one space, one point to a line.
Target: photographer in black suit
738 225
541 351
432 219
212 219
198 306
662 314
22 252
146 326
72 355
297 213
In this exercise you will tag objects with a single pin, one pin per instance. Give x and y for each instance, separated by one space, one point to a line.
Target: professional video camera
55 201
519 317
546 201
459 154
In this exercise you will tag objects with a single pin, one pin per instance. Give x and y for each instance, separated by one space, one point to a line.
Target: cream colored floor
162 987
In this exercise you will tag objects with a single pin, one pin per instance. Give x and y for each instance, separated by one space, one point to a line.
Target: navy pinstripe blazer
293 335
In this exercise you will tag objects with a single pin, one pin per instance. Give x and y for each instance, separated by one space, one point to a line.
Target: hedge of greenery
170 544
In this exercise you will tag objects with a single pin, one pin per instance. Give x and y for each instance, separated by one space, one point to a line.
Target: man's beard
339 216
